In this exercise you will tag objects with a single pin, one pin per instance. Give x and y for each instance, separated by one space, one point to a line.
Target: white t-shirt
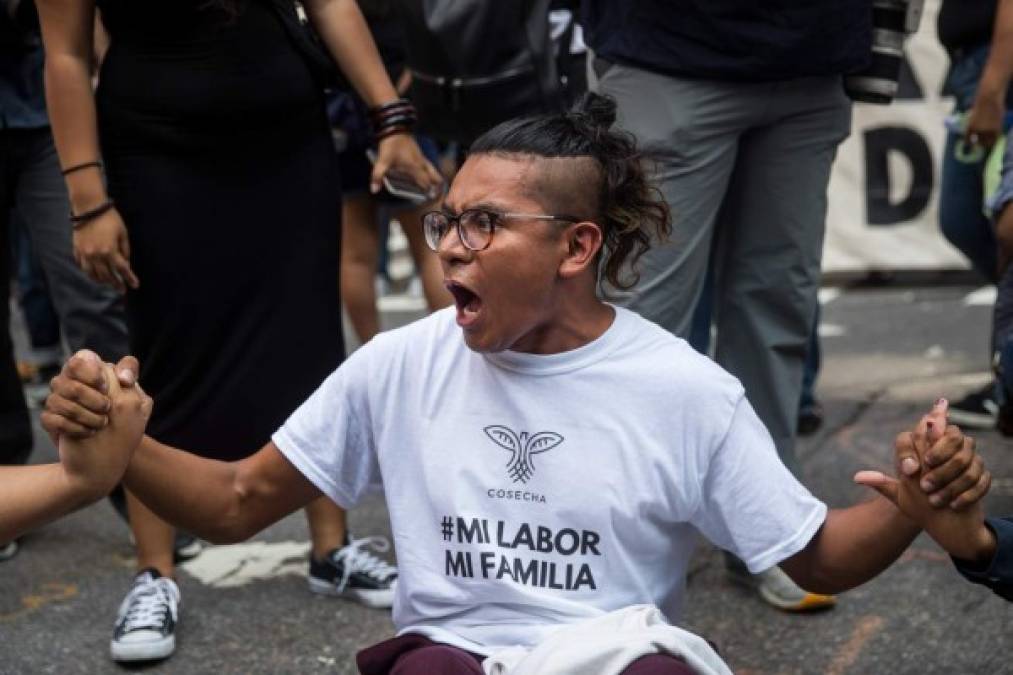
526 491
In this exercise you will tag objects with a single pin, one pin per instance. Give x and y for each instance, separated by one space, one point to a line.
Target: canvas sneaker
146 623
778 590
356 573
977 410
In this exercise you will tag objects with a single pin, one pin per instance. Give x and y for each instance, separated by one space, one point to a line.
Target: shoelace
148 606
355 558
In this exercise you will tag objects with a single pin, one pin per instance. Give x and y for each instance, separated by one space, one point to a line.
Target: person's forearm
344 30
71 106
222 502
853 546
31 496
997 71
67 27
193 493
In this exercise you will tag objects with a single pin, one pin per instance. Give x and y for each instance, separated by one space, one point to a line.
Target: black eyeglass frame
495 216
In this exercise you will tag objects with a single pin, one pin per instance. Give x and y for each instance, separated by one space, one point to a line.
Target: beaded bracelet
396 117
77 220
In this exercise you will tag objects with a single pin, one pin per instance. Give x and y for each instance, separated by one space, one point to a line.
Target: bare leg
426 262
359 246
328 526
154 538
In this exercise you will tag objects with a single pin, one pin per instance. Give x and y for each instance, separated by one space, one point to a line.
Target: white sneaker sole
972 420
378 599
148 650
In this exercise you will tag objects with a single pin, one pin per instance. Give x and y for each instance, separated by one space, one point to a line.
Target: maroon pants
417 655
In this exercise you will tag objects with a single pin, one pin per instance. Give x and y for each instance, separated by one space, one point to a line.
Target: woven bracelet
77 220
78 167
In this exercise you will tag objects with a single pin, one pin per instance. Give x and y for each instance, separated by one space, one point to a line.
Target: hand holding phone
403 187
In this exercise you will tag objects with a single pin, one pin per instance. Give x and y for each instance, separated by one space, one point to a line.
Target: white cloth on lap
607 645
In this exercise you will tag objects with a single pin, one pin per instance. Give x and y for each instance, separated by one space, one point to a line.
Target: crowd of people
569 256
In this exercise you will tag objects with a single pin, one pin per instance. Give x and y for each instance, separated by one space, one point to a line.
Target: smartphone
401 186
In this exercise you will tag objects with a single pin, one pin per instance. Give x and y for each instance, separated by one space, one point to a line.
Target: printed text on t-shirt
519 566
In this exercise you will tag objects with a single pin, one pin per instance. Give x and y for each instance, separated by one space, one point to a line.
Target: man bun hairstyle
629 209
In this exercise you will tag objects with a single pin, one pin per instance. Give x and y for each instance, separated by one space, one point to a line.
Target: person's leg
427 265
1002 317
771 246
359 251
328 524
344 567
34 299
439 660
768 268
400 655
691 129
147 617
15 425
963 223
658 664
810 411
703 316
153 538
92 315
962 218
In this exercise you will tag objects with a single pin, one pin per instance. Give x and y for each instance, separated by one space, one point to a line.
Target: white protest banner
884 189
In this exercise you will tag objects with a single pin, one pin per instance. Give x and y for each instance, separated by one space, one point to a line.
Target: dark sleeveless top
220 161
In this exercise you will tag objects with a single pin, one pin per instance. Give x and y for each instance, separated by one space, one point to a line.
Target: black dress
220 161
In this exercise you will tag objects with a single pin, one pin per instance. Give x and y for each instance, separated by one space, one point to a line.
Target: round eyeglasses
474 226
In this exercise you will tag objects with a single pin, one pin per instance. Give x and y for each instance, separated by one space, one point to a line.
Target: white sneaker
778 590
146 622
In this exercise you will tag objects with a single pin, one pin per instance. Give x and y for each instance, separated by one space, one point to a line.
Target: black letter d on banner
878 144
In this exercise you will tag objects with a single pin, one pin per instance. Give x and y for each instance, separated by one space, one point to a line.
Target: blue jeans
962 217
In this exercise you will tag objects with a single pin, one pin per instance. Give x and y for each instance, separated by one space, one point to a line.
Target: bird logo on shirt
523 447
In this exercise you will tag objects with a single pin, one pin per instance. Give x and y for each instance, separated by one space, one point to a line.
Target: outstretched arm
90 466
222 502
219 501
857 543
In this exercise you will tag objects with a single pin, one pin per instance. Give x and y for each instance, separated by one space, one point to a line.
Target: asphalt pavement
888 353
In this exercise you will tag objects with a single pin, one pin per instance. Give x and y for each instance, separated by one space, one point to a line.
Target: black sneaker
810 418
977 410
146 622
354 573
186 547
8 550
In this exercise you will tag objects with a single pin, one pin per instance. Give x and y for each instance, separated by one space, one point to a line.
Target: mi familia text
513 561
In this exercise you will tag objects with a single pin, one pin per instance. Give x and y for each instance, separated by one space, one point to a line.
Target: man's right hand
959 527
95 464
79 403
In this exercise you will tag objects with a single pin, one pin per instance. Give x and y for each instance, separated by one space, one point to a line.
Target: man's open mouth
467 301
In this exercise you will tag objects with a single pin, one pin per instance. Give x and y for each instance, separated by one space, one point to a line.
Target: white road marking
240 564
829 330
829 294
983 296
935 352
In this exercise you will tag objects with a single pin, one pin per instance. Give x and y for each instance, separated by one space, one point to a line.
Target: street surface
888 353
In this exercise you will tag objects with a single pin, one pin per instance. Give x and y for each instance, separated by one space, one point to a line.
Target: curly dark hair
614 183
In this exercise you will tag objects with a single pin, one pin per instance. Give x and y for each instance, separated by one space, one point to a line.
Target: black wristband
78 167
79 219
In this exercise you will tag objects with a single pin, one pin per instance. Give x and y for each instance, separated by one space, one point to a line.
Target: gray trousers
91 315
744 166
